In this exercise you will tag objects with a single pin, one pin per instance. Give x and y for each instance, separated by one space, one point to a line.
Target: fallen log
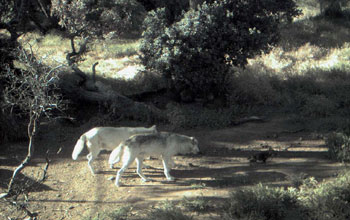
81 88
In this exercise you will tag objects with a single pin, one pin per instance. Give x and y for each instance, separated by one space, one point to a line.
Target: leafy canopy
197 51
95 19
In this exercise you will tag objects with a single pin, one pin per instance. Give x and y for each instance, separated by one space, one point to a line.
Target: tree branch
94 72
32 127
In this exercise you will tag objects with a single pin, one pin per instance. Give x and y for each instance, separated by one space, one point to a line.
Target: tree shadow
251 174
22 182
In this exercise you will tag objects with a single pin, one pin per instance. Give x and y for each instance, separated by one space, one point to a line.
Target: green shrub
297 179
173 8
98 18
339 146
199 204
121 213
167 211
260 202
196 52
326 200
251 89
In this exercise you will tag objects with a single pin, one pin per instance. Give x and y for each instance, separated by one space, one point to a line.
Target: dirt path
71 192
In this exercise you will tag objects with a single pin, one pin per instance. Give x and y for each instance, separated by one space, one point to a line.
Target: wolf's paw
170 179
147 180
92 170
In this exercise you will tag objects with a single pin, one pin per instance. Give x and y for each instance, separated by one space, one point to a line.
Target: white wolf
164 144
105 138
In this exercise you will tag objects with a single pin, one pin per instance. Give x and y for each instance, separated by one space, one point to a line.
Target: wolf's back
79 146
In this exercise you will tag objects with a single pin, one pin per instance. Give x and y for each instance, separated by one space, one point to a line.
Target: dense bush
251 90
196 52
122 213
199 204
339 146
167 211
313 200
98 18
172 8
326 200
260 202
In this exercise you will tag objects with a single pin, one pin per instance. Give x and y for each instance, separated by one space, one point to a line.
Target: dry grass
310 44
113 55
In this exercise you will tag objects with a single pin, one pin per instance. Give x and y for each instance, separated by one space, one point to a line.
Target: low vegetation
311 200
339 146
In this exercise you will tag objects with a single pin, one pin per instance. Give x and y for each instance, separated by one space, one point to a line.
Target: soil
72 192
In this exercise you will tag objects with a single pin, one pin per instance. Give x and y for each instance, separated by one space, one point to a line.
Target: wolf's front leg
90 159
139 162
167 169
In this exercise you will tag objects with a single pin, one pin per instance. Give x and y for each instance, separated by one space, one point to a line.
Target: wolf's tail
79 146
116 154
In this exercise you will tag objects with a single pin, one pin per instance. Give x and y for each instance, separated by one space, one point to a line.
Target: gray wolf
105 138
162 144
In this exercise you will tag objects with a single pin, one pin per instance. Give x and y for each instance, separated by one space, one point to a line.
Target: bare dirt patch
71 192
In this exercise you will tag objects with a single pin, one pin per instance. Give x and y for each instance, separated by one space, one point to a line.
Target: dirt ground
71 192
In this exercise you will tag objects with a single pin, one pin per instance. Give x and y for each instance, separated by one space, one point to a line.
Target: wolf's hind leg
127 160
167 169
91 157
171 163
139 162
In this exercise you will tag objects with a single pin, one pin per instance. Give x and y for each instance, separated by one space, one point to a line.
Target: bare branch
94 72
74 56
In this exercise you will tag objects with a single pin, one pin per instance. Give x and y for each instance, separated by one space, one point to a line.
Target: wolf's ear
154 127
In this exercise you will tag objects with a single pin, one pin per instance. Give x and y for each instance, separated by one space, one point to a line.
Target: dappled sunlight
128 72
117 59
108 66
331 62
302 60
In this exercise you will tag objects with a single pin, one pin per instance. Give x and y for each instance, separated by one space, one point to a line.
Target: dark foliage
96 19
196 51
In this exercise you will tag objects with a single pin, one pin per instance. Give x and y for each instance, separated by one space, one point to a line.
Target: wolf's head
194 142
153 129
145 130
